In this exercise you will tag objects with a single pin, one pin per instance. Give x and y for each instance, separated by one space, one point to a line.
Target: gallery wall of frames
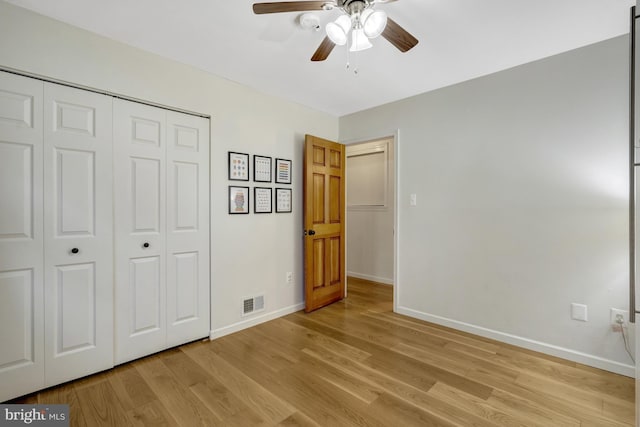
264 171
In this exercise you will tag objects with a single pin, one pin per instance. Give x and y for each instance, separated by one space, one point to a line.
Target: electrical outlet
579 312
289 277
615 314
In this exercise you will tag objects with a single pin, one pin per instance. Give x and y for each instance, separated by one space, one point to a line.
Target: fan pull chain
348 64
355 55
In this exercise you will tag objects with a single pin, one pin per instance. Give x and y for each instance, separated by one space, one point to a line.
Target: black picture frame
261 168
238 166
260 204
239 200
283 200
282 171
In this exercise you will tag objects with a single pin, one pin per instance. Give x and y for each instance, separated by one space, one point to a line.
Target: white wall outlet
579 312
289 277
413 199
616 313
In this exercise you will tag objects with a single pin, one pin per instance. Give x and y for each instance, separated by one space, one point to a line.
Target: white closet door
187 228
21 241
78 233
139 140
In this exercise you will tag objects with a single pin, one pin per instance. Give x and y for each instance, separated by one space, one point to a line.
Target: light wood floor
353 363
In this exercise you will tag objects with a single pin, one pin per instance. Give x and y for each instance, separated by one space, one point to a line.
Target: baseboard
253 321
552 350
382 280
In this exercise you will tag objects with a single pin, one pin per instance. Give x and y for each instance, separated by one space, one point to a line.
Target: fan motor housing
310 21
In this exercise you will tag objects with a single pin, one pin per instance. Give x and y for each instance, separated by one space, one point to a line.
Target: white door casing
21 236
139 138
78 233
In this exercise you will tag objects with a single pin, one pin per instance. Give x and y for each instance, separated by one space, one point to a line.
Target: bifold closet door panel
78 233
187 228
21 237
140 199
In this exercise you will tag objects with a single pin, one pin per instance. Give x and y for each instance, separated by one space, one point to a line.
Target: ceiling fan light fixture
338 30
359 41
373 22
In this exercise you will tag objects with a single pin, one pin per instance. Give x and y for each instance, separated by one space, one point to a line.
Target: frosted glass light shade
359 41
338 30
373 22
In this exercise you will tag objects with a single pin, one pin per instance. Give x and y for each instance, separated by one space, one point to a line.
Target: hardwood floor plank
283 330
151 414
229 408
392 386
551 402
300 387
618 412
100 405
62 394
449 335
130 388
356 386
611 385
181 403
352 363
529 412
413 372
392 411
479 407
185 370
551 387
258 398
298 420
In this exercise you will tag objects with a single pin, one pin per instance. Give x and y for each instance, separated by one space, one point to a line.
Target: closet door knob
75 250
145 244
312 232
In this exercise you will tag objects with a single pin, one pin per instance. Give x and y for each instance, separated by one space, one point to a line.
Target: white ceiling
459 40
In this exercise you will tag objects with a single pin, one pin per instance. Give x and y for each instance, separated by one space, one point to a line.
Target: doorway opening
370 211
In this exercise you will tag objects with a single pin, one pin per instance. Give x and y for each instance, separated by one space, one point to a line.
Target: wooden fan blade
323 50
289 6
398 36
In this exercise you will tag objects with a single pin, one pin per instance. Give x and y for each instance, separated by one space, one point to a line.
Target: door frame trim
393 134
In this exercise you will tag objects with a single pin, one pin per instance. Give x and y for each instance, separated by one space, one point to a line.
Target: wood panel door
78 233
324 222
21 237
140 260
187 228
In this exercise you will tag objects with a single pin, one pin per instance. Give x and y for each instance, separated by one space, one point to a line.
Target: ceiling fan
360 18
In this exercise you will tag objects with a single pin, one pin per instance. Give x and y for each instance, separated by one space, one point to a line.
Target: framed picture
261 168
262 200
238 200
238 166
283 200
283 171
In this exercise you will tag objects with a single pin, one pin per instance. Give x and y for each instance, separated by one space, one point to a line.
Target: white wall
370 228
521 178
250 253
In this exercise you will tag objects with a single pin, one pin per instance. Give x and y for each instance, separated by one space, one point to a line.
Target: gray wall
521 181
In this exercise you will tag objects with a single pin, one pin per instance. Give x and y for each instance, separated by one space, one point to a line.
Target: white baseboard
552 350
383 280
244 324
